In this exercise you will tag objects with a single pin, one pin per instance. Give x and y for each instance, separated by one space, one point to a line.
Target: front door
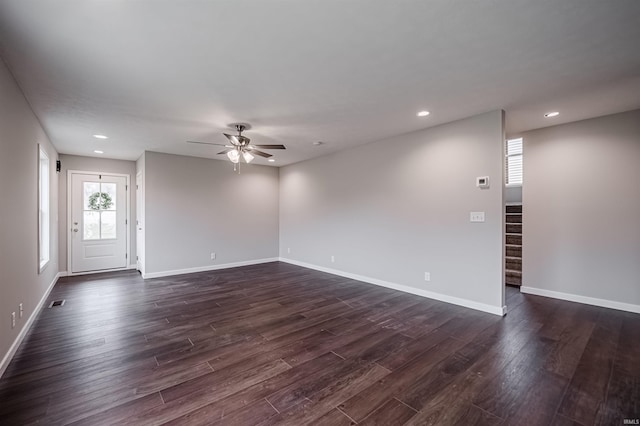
98 222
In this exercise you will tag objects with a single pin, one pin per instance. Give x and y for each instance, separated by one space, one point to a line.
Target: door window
99 211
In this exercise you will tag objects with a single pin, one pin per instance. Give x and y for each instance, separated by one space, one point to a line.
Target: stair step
513 208
513 277
513 251
513 239
513 264
513 228
513 218
513 281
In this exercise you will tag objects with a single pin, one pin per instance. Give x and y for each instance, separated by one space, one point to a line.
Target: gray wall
20 282
513 194
581 208
395 209
92 164
195 206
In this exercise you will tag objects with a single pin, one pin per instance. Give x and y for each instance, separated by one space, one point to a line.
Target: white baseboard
496 310
611 304
101 271
16 343
207 268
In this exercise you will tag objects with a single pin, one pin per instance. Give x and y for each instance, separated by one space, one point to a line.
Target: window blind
514 161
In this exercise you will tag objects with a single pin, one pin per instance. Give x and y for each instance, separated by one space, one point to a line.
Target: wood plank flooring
279 344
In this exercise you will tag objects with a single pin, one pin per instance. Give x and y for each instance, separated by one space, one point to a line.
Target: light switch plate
476 217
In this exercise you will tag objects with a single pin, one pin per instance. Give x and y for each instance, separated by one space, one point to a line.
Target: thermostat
482 182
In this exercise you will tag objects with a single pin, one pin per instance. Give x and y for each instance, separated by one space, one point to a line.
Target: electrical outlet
289 250
21 310
213 256
333 259
13 319
427 276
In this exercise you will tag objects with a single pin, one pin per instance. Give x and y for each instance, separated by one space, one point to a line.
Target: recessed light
100 137
98 151
318 143
552 114
271 160
423 113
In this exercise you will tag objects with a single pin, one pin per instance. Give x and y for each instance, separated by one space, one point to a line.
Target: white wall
389 211
581 211
92 164
195 206
20 282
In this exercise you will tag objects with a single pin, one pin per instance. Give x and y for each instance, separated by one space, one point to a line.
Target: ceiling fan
240 146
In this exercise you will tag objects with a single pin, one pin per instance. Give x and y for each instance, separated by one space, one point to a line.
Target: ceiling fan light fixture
247 157
239 147
234 156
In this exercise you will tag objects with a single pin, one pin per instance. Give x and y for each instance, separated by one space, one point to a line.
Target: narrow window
514 162
43 209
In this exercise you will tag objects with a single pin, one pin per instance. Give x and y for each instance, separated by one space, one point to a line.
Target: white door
98 222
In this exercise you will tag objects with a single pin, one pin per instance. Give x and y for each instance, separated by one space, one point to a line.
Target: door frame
140 248
127 222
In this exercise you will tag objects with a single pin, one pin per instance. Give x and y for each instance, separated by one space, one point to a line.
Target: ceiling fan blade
226 150
270 146
207 143
238 139
232 138
260 153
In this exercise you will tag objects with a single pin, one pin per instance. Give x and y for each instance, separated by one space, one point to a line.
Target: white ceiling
153 74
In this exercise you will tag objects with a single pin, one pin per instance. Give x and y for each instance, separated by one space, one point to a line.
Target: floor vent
56 303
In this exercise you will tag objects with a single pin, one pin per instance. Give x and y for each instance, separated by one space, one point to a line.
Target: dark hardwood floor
280 344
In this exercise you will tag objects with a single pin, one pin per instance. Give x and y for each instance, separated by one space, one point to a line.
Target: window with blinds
514 162
44 236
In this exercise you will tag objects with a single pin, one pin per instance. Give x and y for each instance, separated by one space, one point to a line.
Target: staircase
513 245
